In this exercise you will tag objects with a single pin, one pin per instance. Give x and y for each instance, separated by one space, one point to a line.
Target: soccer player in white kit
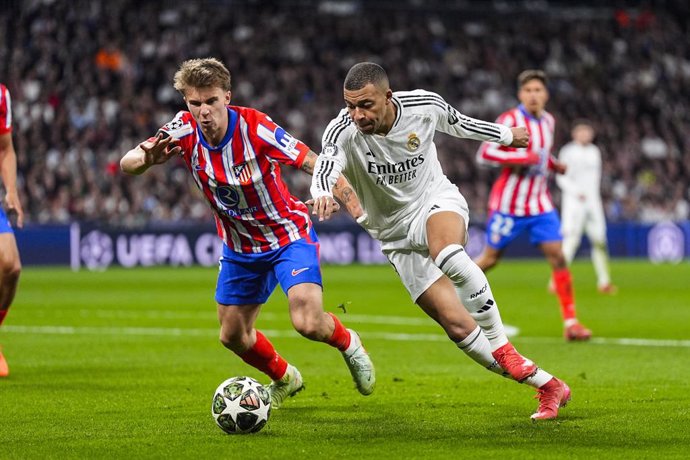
382 142
581 206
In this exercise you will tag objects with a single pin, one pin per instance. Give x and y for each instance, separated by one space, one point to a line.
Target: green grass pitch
123 364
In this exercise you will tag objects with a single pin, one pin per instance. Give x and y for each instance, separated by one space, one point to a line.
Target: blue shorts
251 278
502 229
5 226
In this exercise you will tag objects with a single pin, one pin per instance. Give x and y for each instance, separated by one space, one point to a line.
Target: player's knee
557 260
486 262
454 262
457 332
12 274
10 270
309 326
600 245
235 339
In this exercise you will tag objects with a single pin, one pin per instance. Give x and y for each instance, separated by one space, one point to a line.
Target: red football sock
564 289
3 313
341 336
265 358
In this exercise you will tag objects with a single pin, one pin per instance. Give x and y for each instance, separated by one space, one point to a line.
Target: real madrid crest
413 142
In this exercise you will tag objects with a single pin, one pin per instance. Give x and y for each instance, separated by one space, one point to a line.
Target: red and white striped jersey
521 190
241 179
5 110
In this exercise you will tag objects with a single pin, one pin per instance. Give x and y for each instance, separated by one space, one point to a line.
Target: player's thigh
440 221
9 254
573 220
596 226
297 264
244 279
415 269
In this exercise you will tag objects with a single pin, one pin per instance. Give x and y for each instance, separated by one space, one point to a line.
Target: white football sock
477 347
539 378
600 260
474 292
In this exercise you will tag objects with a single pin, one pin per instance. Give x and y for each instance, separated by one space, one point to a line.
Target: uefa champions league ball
241 405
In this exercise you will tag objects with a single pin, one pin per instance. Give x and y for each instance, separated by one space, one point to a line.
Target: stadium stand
89 79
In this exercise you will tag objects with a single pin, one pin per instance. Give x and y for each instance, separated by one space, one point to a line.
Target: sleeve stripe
481 128
438 104
480 123
332 134
323 176
413 98
477 130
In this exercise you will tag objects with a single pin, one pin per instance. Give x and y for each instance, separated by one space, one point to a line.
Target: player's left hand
13 207
558 167
520 137
323 207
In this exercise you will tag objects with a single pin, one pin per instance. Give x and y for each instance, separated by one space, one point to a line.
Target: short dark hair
529 75
363 73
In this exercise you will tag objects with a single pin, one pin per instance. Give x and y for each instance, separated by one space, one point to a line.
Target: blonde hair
202 73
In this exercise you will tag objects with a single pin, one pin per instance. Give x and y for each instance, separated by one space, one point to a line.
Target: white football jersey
583 172
393 174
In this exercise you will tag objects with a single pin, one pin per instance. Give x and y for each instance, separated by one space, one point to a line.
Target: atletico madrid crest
243 172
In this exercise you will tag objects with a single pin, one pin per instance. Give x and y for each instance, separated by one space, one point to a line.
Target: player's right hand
323 207
158 149
520 137
13 208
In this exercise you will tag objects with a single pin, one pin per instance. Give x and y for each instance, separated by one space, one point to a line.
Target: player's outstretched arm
326 175
520 137
344 192
153 151
557 166
342 189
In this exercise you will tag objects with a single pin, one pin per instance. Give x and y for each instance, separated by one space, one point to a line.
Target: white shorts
410 256
578 217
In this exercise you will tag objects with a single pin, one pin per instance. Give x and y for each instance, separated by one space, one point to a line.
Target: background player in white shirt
581 206
383 143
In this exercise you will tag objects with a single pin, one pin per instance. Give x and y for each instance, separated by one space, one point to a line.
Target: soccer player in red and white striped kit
520 200
234 155
10 264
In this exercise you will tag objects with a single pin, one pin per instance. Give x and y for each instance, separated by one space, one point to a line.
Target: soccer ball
241 405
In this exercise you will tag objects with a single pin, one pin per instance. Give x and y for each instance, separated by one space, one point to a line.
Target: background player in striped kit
520 200
10 265
581 206
233 154
383 142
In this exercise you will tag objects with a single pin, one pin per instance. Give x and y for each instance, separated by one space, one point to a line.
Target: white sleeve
327 171
456 124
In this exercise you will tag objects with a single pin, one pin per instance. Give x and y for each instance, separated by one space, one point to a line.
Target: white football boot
289 385
360 365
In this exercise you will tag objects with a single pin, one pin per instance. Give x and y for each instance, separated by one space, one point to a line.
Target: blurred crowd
91 79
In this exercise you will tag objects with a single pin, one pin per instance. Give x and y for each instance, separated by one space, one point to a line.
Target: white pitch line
269 316
391 336
511 331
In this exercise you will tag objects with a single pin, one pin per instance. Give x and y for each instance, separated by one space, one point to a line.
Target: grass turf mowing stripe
400 337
